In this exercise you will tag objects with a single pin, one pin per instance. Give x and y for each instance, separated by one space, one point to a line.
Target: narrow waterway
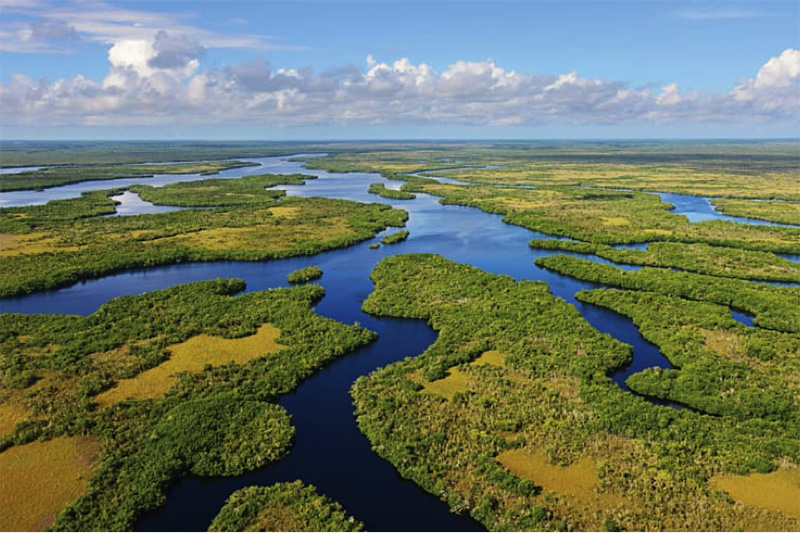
329 451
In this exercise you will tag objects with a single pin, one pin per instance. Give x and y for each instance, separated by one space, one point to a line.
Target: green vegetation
700 258
282 507
608 217
501 442
726 169
46 247
220 192
725 368
304 274
218 421
774 307
55 176
397 236
381 190
774 211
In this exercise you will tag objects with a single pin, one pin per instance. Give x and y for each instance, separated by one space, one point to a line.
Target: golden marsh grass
579 481
776 491
10 415
40 478
191 356
456 380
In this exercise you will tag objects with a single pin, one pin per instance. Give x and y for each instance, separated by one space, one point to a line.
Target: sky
317 70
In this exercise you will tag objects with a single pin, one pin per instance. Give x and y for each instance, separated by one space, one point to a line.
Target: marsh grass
456 380
777 491
578 480
40 478
10 415
192 356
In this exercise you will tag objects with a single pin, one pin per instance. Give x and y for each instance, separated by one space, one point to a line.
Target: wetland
503 342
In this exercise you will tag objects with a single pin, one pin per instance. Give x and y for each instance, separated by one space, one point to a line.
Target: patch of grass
491 357
10 415
455 381
579 480
40 478
192 356
283 507
304 274
398 236
774 211
381 190
778 490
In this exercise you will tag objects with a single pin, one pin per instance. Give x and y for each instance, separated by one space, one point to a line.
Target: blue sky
147 69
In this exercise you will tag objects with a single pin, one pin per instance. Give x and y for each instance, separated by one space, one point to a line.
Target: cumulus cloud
175 52
160 81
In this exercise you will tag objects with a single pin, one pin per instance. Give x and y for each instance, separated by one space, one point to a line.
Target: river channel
329 451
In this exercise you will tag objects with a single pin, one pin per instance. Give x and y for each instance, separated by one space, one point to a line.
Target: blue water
700 209
329 451
74 190
131 204
743 318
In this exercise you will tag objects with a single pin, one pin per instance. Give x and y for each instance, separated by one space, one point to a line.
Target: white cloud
160 81
781 71
670 95
99 22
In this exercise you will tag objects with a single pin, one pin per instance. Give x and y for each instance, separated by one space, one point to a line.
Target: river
329 451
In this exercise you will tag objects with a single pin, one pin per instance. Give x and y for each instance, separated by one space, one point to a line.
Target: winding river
329 451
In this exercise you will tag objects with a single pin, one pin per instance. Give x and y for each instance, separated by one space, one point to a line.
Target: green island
64 241
304 274
693 257
283 507
64 175
397 236
774 307
381 190
101 378
772 210
510 414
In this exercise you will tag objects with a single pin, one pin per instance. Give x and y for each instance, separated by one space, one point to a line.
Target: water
131 204
17 170
743 318
700 209
74 190
329 451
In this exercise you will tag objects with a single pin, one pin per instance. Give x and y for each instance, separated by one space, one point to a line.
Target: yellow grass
32 243
191 356
723 342
578 481
41 478
10 415
263 237
456 380
615 221
777 491
492 357
284 211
